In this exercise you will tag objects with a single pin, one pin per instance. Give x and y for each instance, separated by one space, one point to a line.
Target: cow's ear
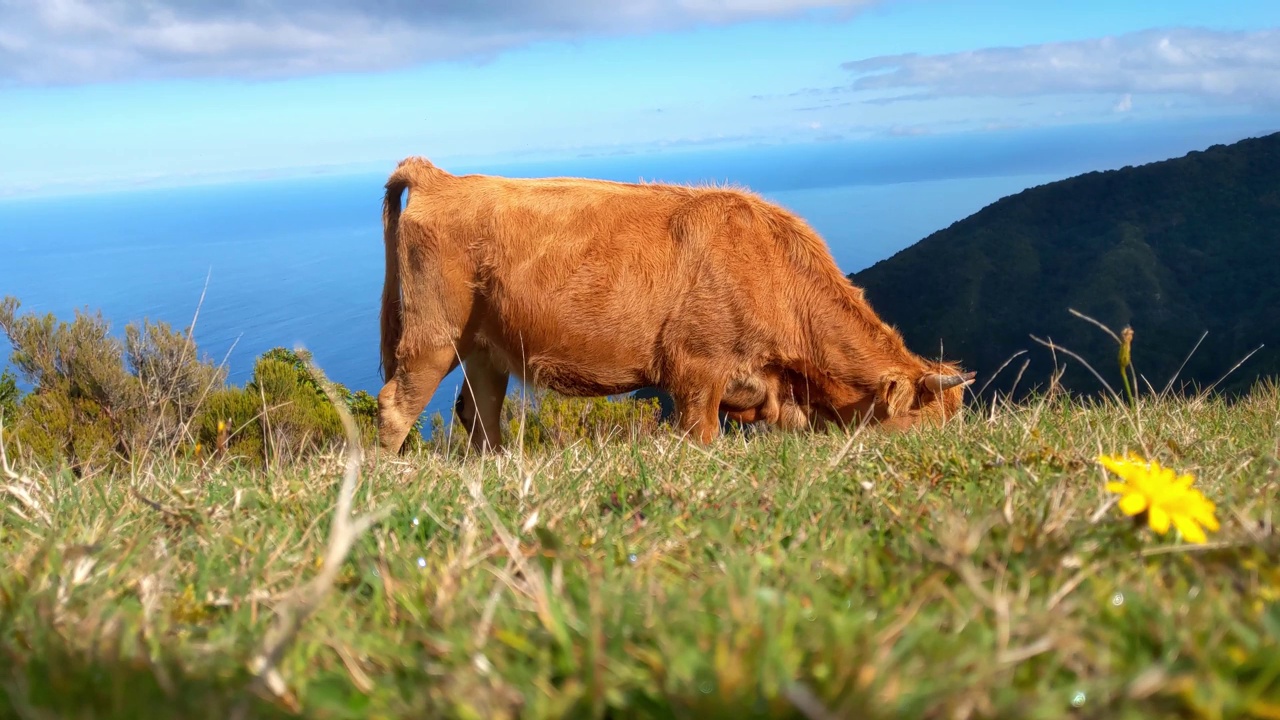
895 394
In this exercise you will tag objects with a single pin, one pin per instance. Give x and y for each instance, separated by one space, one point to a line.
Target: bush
53 426
9 395
97 400
84 406
362 406
554 420
172 380
297 418
228 424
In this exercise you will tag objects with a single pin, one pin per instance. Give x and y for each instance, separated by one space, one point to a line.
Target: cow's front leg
698 410
404 397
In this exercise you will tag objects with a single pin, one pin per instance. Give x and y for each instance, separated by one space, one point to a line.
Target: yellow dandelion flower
1166 496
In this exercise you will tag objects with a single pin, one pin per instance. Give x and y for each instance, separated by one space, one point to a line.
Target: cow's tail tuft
392 320
406 175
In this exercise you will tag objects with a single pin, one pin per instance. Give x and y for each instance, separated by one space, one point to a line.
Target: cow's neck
846 347
851 349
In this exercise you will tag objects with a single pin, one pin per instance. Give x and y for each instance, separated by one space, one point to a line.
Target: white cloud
76 41
1242 67
1125 104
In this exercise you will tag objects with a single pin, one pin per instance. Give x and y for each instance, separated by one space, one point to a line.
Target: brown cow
590 287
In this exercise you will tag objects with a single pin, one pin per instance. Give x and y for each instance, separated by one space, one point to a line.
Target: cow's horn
938 383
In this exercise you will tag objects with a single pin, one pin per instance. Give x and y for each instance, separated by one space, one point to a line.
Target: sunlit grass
975 570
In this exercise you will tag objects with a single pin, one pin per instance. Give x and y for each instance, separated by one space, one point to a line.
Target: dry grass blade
1018 378
1119 400
1000 369
1197 548
28 500
23 489
1067 588
854 435
1123 340
1169 385
183 515
534 575
803 699
204 394
342 536
1104 328
1026 652
1206 392
189 345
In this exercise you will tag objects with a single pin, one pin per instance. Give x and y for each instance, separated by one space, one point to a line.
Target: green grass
975 570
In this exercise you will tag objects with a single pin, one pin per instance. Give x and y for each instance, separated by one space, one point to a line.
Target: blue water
300 261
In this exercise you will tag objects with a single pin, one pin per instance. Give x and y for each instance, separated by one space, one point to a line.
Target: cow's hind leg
406 394
479 406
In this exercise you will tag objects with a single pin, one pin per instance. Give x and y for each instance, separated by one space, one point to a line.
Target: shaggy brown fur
589 287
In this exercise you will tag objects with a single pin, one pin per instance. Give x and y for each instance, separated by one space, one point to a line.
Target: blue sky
108 95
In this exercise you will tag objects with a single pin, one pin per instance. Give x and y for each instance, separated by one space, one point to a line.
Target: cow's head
901 399
934 395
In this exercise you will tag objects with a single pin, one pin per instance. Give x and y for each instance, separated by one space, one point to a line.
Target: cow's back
742 283
578 274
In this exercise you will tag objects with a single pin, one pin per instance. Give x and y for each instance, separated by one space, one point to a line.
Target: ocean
299 261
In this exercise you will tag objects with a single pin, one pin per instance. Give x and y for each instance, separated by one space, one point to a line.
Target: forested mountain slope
1172 248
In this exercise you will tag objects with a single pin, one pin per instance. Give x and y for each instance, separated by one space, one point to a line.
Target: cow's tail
407 175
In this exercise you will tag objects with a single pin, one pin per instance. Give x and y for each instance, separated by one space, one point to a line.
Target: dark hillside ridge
1171 248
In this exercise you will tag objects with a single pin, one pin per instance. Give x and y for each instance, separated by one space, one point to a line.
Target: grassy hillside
1173 248
976 570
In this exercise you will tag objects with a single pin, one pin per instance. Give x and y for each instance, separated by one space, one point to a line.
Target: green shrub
96 399
296 417
52 426
9 395
172 379
84 407
554 420
238 409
